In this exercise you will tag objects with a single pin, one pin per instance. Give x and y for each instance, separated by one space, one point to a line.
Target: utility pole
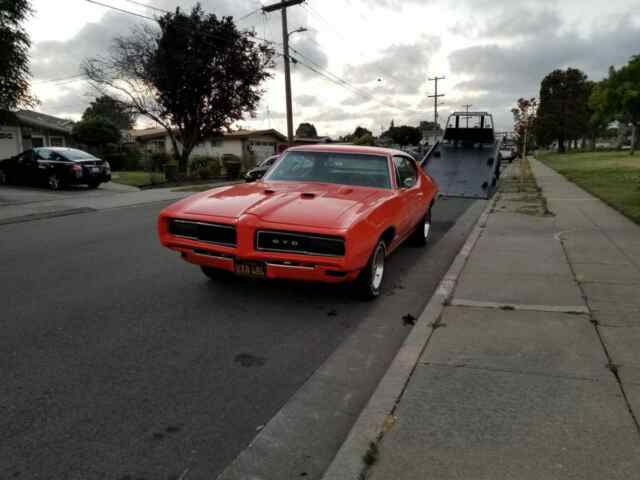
282 6
467 107
435 98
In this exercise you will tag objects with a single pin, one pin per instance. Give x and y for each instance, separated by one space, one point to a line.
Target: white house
251 146
26 129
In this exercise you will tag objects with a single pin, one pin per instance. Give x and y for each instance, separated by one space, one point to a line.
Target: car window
75 154
364 170
45 154
406 171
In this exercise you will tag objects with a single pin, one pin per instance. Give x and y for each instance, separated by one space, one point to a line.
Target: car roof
347 149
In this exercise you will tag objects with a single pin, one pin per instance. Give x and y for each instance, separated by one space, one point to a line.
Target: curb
368 428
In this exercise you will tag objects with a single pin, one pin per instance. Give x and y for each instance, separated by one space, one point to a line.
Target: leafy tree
404 135
524 121
195 76
618 97
96 132
111 109
563 113
14 55
366 139
360 132
306 130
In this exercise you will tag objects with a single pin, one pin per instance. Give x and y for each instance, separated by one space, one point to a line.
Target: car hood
304 204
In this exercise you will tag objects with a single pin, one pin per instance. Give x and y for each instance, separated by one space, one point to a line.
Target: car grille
204 232
303 243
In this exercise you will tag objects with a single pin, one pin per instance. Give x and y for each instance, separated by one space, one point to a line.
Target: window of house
37 142
57 142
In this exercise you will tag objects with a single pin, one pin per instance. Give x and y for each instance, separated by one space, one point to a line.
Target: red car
322 213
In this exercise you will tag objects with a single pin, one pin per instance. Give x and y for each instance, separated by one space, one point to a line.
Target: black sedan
260 169
55 167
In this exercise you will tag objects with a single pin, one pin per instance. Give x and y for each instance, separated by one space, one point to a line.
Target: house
251 146
26 129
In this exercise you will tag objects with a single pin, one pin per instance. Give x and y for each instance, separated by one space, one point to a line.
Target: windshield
333 167
73 154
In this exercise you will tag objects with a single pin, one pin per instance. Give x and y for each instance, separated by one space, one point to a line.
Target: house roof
42 120
159 132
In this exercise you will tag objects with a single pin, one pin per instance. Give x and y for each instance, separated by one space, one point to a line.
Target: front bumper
277 265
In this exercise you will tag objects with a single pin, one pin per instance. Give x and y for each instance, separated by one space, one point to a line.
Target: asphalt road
120 361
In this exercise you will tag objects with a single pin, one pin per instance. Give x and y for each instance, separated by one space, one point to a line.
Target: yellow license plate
250 269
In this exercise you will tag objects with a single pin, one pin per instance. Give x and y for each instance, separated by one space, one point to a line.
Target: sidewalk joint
570 309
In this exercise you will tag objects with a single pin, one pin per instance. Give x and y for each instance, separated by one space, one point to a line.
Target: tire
368 284
94 185
421 235
214 273
54 182
4 178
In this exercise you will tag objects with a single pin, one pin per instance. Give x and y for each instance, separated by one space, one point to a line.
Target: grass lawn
614 177
137 178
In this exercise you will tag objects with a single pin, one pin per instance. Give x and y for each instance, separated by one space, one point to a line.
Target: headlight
107 167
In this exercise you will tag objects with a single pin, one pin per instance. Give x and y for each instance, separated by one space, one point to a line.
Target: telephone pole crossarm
435 98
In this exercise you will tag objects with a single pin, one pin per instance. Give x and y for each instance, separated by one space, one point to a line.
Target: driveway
22 195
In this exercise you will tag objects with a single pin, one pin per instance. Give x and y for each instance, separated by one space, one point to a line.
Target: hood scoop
308 195
268 191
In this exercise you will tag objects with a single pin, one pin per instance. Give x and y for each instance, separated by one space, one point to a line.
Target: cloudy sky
378 53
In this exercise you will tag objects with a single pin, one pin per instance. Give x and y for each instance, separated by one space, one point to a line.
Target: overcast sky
491 52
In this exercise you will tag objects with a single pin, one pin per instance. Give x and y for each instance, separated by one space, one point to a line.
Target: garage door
263 150
8 142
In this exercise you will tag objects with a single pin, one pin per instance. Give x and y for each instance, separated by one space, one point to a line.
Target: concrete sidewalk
532 369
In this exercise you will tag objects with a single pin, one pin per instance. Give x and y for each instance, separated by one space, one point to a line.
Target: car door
27 167
410 189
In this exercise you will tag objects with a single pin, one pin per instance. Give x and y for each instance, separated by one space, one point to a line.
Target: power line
252 12
157 9
56 80
121 10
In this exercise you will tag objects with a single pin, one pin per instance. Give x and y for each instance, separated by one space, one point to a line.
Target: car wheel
421 235
368 284
4 178
214 273
53 181
94 185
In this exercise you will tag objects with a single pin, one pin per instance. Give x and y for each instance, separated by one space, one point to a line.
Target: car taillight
76 168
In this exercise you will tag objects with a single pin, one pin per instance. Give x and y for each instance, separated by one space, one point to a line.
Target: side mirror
408 183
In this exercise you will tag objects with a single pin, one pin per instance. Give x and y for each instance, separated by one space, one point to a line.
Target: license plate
250 269
95 169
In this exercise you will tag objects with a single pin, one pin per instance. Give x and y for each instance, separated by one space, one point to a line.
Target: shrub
132 159
232 165
171 171
159 160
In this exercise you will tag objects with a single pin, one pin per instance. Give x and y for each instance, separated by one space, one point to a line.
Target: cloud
62 59
518 68
403 68
522 21
306 100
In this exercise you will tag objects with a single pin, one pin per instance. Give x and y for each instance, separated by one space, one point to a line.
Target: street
121 361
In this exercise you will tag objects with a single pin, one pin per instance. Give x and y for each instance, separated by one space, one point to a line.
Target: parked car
55 167
508 152
259 170
325 213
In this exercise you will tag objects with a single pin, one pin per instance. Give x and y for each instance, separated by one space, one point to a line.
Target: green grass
614 177
137 178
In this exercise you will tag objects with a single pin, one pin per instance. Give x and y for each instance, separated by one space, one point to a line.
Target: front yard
138 178
614 177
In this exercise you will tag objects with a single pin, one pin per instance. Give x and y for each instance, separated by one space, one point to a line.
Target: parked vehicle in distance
324 213
55 167
259 170
508 152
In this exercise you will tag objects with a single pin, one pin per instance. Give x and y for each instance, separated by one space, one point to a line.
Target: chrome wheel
427 227
377 268
54 182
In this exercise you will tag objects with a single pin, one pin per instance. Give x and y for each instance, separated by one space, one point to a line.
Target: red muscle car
322 213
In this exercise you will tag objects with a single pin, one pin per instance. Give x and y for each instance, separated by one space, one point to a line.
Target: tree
96 132
524 121
115 111
563 114
195 76
306 130
618 97
366 139
404 135
14 55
